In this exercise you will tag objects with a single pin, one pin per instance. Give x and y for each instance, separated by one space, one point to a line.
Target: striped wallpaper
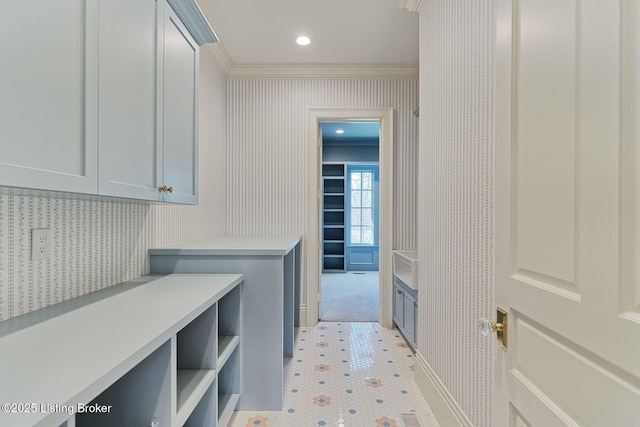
102 242
455 226
252 180
267 152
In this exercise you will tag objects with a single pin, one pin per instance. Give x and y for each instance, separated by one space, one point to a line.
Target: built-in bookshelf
333 217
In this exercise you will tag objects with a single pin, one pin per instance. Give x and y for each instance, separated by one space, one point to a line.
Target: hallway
346 375
350 296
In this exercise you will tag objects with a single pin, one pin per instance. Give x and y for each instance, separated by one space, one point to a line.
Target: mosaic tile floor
347 375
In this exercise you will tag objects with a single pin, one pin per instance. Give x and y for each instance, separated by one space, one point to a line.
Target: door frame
316 116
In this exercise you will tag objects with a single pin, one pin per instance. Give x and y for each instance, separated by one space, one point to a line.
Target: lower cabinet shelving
192 386
226 405
405 311
164 352
204 413
142 394
196 362
228 360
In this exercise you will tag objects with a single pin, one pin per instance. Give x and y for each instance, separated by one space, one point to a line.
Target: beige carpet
350 297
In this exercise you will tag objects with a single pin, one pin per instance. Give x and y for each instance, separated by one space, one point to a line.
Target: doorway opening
350 227
313 252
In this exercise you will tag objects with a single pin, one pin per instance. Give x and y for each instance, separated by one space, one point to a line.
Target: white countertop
232 245
75 355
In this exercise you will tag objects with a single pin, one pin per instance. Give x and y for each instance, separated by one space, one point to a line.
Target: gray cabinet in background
405 311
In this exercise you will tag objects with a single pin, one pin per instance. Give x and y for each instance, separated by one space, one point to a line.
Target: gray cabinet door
179 133
48 95
398 306
415 324
127 103
409 318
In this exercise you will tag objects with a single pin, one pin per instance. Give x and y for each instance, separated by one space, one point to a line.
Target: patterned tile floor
347 375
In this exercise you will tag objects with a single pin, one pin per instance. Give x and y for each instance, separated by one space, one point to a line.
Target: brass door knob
487 327
162 188
170 189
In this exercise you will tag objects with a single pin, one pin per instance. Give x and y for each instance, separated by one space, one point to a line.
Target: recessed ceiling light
303 40
339 130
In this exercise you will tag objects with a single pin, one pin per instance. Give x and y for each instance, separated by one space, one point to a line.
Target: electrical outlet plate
40 244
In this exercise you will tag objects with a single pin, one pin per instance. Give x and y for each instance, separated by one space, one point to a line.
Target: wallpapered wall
102 242
455 226
267 151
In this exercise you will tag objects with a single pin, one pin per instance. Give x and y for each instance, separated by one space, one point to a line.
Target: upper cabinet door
179 157
127 104
48 95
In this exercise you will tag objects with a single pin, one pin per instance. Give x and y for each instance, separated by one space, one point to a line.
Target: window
362 216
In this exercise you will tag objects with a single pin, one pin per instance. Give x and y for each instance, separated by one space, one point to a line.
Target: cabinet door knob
399 292
170 189
162 188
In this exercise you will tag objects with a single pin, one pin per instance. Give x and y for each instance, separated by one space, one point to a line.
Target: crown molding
410 5
219 54
324 71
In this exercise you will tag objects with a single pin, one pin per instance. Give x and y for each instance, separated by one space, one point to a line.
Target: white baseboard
442 403
303 315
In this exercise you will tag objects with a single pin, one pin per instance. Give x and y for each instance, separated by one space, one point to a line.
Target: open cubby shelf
162 350
333 170
205 348
192 385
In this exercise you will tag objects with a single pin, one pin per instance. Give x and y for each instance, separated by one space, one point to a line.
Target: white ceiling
342 32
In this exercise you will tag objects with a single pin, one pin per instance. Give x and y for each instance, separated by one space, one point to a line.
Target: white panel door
48 94
128 51
180 110
565 216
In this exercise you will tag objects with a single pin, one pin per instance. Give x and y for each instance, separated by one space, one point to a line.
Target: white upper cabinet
127 137
148 103
100 97
48 95
179 157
